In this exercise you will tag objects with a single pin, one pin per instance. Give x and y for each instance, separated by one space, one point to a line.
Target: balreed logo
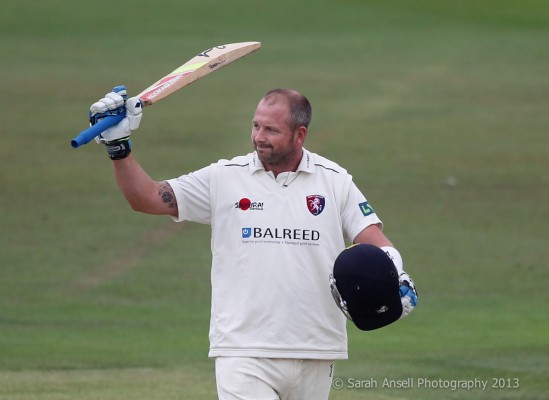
281 233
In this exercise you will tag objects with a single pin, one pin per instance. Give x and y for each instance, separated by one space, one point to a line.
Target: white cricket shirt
274 242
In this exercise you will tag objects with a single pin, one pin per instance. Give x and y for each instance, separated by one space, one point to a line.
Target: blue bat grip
89 134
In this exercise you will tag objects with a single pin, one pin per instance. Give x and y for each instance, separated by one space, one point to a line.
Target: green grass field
437 108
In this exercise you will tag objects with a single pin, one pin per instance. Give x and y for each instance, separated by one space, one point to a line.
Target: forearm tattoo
167 195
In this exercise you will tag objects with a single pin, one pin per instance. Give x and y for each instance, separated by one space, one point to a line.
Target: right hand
408 294
115 103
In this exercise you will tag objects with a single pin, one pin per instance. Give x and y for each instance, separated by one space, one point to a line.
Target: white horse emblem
315 204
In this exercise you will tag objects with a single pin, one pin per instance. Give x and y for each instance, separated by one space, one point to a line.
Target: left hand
408 294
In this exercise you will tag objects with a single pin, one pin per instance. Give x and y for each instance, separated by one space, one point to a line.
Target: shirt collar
306 164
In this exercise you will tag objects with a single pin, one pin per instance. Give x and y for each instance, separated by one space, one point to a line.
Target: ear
300 134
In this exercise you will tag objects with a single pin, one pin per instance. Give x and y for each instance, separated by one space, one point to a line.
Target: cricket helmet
365 287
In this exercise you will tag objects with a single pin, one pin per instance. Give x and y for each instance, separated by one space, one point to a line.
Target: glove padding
408 294
116 103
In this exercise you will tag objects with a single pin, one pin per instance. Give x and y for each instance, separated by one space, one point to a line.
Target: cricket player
279 216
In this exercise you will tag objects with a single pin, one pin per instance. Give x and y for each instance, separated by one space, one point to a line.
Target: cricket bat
204 63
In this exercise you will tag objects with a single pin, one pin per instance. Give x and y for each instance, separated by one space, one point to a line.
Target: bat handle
89 134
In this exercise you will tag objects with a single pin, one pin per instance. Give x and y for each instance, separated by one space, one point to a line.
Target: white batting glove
114 103
129 124
408 294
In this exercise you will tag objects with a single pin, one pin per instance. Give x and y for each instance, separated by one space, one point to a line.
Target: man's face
277 146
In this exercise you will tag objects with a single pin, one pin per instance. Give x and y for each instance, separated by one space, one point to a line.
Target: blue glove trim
406 290
121 88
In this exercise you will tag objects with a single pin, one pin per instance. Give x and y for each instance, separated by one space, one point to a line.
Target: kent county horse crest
315 204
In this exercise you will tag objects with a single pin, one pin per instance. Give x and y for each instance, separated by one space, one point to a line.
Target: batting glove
408 294
116 138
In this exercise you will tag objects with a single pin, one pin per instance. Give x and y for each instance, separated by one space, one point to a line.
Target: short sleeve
192 192
357 214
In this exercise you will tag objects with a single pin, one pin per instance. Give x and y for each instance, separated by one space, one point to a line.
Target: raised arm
143 194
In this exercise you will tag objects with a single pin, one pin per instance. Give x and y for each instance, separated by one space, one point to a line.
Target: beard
282 159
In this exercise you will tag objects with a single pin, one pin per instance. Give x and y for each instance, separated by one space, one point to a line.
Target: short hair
300 109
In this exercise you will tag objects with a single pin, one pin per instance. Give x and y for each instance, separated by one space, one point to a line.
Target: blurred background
438 109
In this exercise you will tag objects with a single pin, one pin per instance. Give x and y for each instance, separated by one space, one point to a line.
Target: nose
258 135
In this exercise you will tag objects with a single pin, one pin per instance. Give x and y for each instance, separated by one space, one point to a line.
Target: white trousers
241 378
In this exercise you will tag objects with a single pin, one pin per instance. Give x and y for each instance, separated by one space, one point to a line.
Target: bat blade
202 64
